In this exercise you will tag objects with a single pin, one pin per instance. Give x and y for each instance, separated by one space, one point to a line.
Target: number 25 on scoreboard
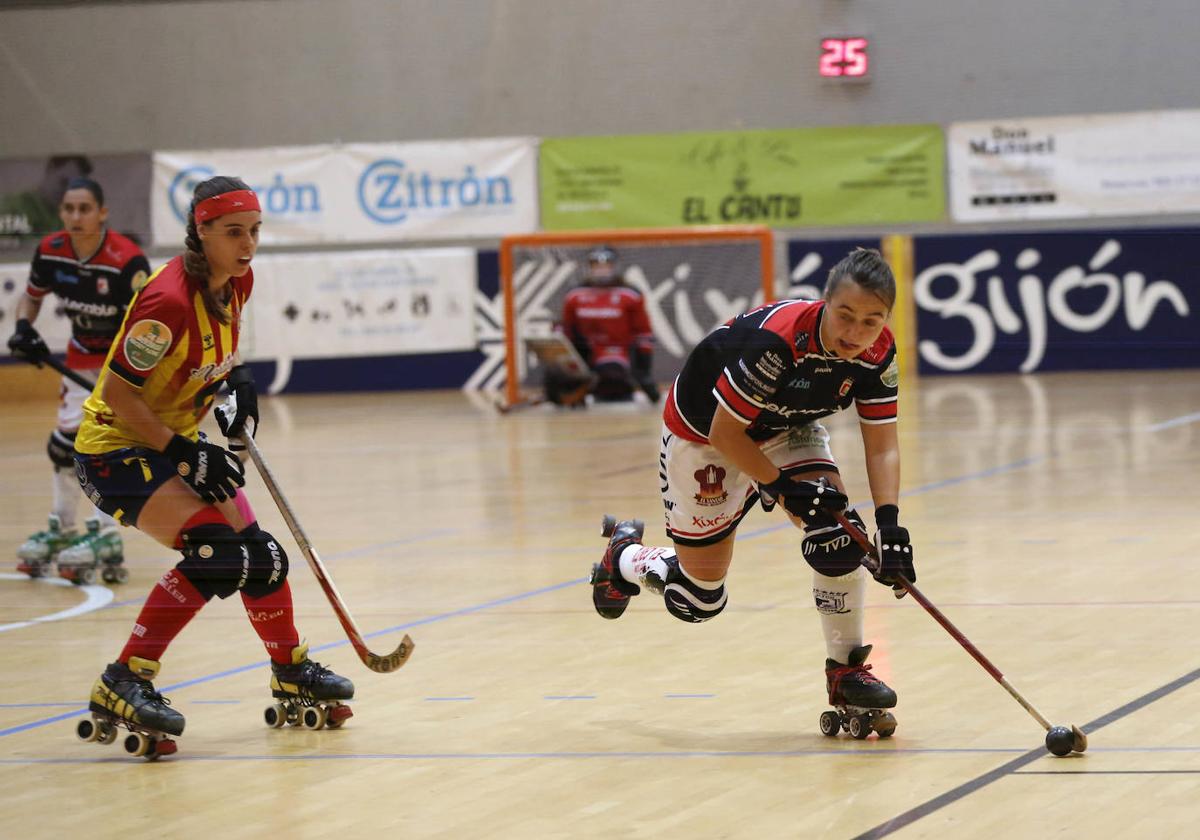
844 58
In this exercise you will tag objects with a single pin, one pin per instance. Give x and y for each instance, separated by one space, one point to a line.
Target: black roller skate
860 698
610 591
94 549
36 554
125 697
307 694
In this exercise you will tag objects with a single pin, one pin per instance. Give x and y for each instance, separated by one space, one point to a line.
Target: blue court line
926 488
1175 421
688 696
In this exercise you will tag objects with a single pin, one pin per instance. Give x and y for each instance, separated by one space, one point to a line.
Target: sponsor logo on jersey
891 376
83 307
770 365
139 280
146 342
801 340
710 478
801 383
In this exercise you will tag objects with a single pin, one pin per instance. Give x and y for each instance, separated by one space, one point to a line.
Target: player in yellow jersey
141 458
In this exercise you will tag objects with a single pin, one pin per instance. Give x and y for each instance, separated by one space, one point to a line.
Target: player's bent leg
611 591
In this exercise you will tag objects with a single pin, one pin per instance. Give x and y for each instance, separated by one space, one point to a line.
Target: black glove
26 342
241 405
213 472
895 551
812 501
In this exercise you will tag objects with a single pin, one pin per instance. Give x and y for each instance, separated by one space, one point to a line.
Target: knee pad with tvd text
832 551
691 600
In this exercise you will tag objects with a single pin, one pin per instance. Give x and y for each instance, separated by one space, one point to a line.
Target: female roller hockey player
140 457
93 272
741 423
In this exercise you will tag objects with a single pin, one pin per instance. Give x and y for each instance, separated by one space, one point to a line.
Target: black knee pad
220 561
61 449
689 602
268 562
832 551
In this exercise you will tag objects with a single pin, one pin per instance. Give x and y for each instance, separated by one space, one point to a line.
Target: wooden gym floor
1052 517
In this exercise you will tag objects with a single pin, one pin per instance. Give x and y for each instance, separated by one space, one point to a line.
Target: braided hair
194 261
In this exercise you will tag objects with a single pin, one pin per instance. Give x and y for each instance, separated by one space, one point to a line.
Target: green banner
861 175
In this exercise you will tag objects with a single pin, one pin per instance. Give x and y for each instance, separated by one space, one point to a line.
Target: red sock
272 618
170 606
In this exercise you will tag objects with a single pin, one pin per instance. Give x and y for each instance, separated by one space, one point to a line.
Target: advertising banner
52 324
365 192
789 178
1077 300
1071 167
809 262
361 303
31 189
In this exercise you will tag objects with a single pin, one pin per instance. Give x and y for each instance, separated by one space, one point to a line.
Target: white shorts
705 496
72 397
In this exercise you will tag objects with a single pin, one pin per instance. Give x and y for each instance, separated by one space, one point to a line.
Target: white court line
1177 421
97 597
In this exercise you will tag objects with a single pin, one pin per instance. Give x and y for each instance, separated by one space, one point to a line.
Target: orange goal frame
615 237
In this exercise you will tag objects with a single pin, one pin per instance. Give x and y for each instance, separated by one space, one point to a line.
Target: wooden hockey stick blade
393 661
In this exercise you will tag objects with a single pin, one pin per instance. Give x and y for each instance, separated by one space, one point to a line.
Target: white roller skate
39 552
92 550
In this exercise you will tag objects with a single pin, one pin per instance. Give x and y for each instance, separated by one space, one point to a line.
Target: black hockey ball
1060 740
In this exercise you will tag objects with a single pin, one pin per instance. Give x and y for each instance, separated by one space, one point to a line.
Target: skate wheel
607 525
137 744
121 574
275 716
85 577
860 726
87 730
107 576
313 717
108 732
336 716
831 723
885 725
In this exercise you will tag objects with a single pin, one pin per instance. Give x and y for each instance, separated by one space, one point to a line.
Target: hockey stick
393 661
55 364
1079 740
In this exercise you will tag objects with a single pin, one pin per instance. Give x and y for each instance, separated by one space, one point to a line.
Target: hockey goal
692 279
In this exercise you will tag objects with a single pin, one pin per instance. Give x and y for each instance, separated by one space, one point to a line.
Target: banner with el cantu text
786 178
363 192
1073 167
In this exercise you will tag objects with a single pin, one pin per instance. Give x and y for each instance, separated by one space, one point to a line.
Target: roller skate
610 591
860 699
307 694
35 555
125 697
94 549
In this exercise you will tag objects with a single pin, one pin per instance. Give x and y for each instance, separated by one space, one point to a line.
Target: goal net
692 280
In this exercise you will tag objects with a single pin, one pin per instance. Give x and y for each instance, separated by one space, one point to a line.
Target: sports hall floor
1053 517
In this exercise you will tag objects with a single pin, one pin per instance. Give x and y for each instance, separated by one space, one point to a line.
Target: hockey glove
212 472
812 501
25 342
241 406
895 551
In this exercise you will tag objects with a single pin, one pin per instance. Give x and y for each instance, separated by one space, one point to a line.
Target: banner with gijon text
363 192
786 178
1073 167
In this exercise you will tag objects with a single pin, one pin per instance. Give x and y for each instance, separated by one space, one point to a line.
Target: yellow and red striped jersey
173 351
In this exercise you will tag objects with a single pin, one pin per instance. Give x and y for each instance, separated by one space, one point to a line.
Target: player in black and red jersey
742 424
94 272
607 322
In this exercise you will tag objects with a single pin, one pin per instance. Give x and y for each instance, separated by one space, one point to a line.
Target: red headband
237 201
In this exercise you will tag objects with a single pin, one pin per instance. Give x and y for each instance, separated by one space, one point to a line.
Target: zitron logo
389 192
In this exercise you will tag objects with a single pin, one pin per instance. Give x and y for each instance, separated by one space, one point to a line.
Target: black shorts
120 482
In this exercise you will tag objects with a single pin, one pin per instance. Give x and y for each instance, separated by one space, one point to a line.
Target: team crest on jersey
101 285
847 384
712 492
139 280
146 343
891 376
801 341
